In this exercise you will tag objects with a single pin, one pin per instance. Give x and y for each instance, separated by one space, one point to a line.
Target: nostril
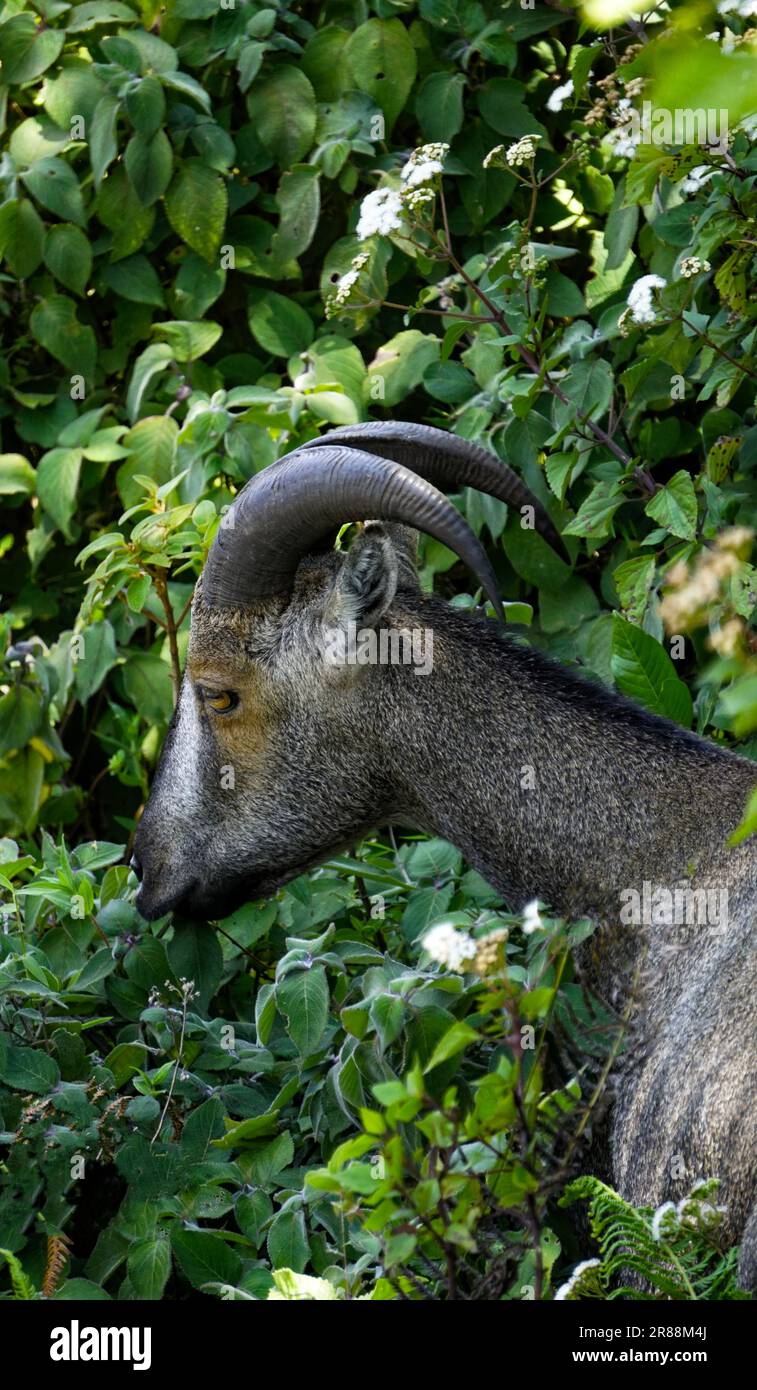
135 863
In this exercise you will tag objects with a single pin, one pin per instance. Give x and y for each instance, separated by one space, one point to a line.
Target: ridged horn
287 510
448 462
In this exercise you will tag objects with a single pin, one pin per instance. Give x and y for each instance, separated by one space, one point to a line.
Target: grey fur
322 755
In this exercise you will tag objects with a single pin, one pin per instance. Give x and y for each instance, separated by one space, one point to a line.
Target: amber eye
223 701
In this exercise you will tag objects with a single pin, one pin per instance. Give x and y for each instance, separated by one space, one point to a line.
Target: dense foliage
192 283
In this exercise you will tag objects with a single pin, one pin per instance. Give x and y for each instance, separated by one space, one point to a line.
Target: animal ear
367 581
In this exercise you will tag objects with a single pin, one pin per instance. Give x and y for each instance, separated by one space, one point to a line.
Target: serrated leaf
303 998
28 1069
643 670
675 506
288 1246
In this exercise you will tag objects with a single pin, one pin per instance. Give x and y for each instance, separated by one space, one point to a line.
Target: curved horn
448 462
285 511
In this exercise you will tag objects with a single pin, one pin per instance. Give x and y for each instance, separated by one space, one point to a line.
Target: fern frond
58 1250
675 1252
21 1284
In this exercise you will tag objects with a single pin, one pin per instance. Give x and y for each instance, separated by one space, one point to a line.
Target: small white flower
640 298
691 266
560 95
622 139
531 920
523 151
380 213
565 1290
449 947
416 198
696 179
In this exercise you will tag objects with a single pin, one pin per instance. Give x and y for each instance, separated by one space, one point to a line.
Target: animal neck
552 786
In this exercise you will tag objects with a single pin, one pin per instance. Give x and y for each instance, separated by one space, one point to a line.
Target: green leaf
675 506
146 106
187 340
119 209
22 236
28 1069
196 205
27 51
55 325
195 954
148 365
278 324
57 485
20 718
281 107
152 447
68 255
453 1041
643 670
135 278
97 647
439 105
401 364
125 1060
147 682
501 103
594 516
16 475
303 997
103 144
149 164
204 1258
382 61
298 200
288 1246
149 1265
53 184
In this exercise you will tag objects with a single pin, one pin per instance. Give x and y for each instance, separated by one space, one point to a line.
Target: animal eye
223 701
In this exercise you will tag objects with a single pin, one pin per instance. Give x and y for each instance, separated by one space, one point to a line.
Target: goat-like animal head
267 770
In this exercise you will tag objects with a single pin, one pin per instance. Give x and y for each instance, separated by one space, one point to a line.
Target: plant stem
161 589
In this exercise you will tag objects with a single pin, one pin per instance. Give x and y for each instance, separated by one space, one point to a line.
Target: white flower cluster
380 213
348 281
559 96
696 179
565 1290
417 198
523 151
623 139
691 266
424 164
639 300
447 946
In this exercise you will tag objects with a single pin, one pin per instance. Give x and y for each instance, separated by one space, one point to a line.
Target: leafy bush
194 283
